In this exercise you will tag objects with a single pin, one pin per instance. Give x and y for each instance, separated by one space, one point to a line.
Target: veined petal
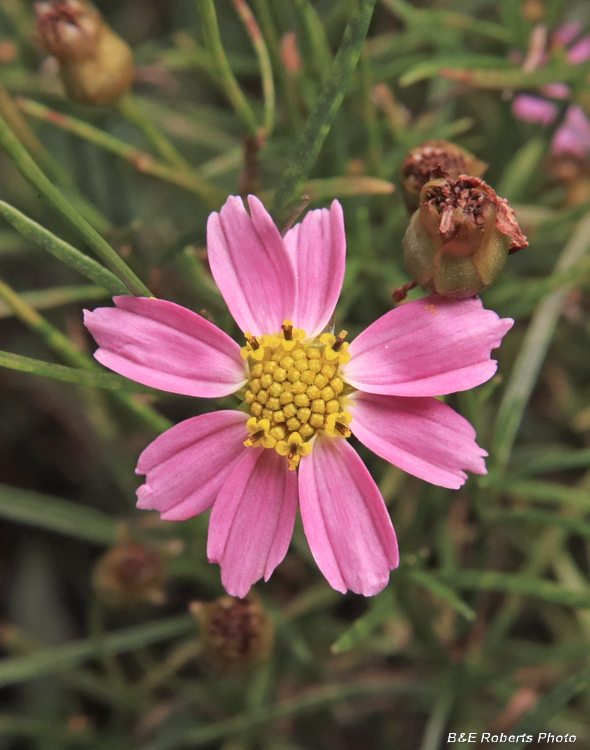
252 520
345 519
317 247
186 466
164 345
251 266
422 436
428 347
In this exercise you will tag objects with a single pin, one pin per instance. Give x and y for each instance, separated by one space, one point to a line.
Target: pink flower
304 392
573 135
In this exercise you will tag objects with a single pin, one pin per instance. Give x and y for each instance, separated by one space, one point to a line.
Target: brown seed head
129 574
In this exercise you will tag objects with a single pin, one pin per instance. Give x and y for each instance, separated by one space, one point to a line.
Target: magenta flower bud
431 155
459 238
236 634
95 64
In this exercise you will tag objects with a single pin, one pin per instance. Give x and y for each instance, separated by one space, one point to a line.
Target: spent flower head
95 64
459 238
305 390
431 156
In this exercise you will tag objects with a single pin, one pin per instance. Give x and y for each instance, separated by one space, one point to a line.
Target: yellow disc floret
294 391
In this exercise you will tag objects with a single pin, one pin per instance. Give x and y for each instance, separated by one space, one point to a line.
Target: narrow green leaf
62 250
31 172
516 584
381 608
547 491
92 378
520 169
43 299
543 518
322 116
534 349
430 68
16 669
54 514
434 585
536 720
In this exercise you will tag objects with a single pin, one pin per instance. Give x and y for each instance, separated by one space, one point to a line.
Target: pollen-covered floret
295 391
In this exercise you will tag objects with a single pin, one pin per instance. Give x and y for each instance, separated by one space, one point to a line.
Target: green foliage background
486 625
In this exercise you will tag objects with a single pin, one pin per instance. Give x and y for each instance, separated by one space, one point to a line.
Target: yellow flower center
295 391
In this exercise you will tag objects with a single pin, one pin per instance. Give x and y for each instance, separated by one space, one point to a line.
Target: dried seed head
236 633
459 238
436 157
129 574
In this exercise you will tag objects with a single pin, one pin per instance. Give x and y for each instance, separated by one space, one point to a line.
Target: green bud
430 156
236 634
95 64
460 236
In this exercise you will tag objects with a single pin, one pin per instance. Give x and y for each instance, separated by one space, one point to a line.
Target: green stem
131 110
31 172
268 87
57 296
62 250
321 118
143 162
224 72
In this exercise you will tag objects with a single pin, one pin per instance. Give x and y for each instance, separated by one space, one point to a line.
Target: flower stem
322 116
223 69
31 172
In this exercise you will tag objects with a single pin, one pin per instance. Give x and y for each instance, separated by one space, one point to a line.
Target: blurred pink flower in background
573 136
304 392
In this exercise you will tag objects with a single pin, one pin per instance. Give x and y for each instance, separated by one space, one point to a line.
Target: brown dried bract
421 162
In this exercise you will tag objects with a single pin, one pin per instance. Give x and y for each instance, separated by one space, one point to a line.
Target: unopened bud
430 156
236 634
95 64
129 574
459 238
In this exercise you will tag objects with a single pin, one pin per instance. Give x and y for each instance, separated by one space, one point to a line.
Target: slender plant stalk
267 25
31 172
43 299
64 348
62 250
132 111
143 162
321 118
225 74
268 86
320 49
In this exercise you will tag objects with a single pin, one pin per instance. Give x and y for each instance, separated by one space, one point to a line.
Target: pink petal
422 436
556 90
567 32
573 136
187 465
164 345
533 109
579 52
252 520
345 519
251 266
428 347
317 247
